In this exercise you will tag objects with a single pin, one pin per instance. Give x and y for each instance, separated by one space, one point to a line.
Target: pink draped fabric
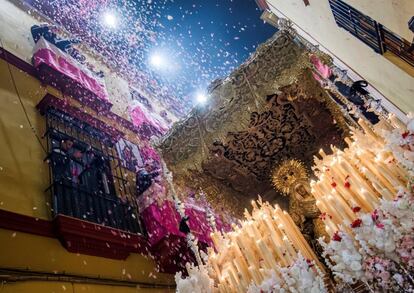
199 225
139 117
149 153
162 221
48 54
155 194
323 71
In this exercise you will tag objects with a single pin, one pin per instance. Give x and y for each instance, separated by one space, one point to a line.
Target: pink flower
357 223
380 225
405 134
356 209
336 237
309 262
375 215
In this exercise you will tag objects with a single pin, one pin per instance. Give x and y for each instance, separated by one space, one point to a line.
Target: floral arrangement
302 276
198 280
377 248
345 254
401 143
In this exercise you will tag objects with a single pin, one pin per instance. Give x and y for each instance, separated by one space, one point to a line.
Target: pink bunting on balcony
323 71
139 118
62 71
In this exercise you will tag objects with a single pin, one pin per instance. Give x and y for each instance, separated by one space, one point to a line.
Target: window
398 46
87 179
374 34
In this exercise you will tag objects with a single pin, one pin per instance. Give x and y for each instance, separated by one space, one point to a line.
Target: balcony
76 202
59 69
374 34
92 193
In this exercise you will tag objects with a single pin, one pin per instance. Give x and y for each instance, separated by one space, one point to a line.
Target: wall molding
22 223
78 236
12 275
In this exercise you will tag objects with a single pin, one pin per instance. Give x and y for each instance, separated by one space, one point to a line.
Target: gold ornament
287 173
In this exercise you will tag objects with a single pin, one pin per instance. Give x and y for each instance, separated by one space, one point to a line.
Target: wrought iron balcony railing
74 201
369 31
87 179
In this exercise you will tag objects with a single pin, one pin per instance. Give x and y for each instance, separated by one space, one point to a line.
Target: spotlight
157 60
109 19
201 98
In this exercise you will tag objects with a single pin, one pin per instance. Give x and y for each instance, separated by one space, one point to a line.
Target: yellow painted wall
26 251
23 174
23 179
317 20
65 287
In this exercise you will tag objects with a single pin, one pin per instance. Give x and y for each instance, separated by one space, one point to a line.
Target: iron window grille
94 187
372 33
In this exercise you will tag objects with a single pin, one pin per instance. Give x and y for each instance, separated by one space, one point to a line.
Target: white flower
367 220
197 280
356 266
297 278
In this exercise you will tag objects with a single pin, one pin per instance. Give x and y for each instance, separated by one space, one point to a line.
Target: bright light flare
157 60
110 19
201 98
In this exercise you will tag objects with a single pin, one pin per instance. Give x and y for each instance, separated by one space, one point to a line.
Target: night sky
198 41
210 38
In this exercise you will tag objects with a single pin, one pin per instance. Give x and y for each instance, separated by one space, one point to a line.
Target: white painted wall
318 22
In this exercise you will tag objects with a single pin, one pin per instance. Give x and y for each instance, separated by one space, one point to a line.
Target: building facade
71 141
371 39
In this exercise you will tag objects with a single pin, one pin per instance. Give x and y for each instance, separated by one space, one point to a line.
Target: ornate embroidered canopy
268 110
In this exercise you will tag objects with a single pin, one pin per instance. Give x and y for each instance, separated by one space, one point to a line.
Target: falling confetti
197 39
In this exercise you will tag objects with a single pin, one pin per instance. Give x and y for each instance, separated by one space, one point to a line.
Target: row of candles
357 177
266 240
